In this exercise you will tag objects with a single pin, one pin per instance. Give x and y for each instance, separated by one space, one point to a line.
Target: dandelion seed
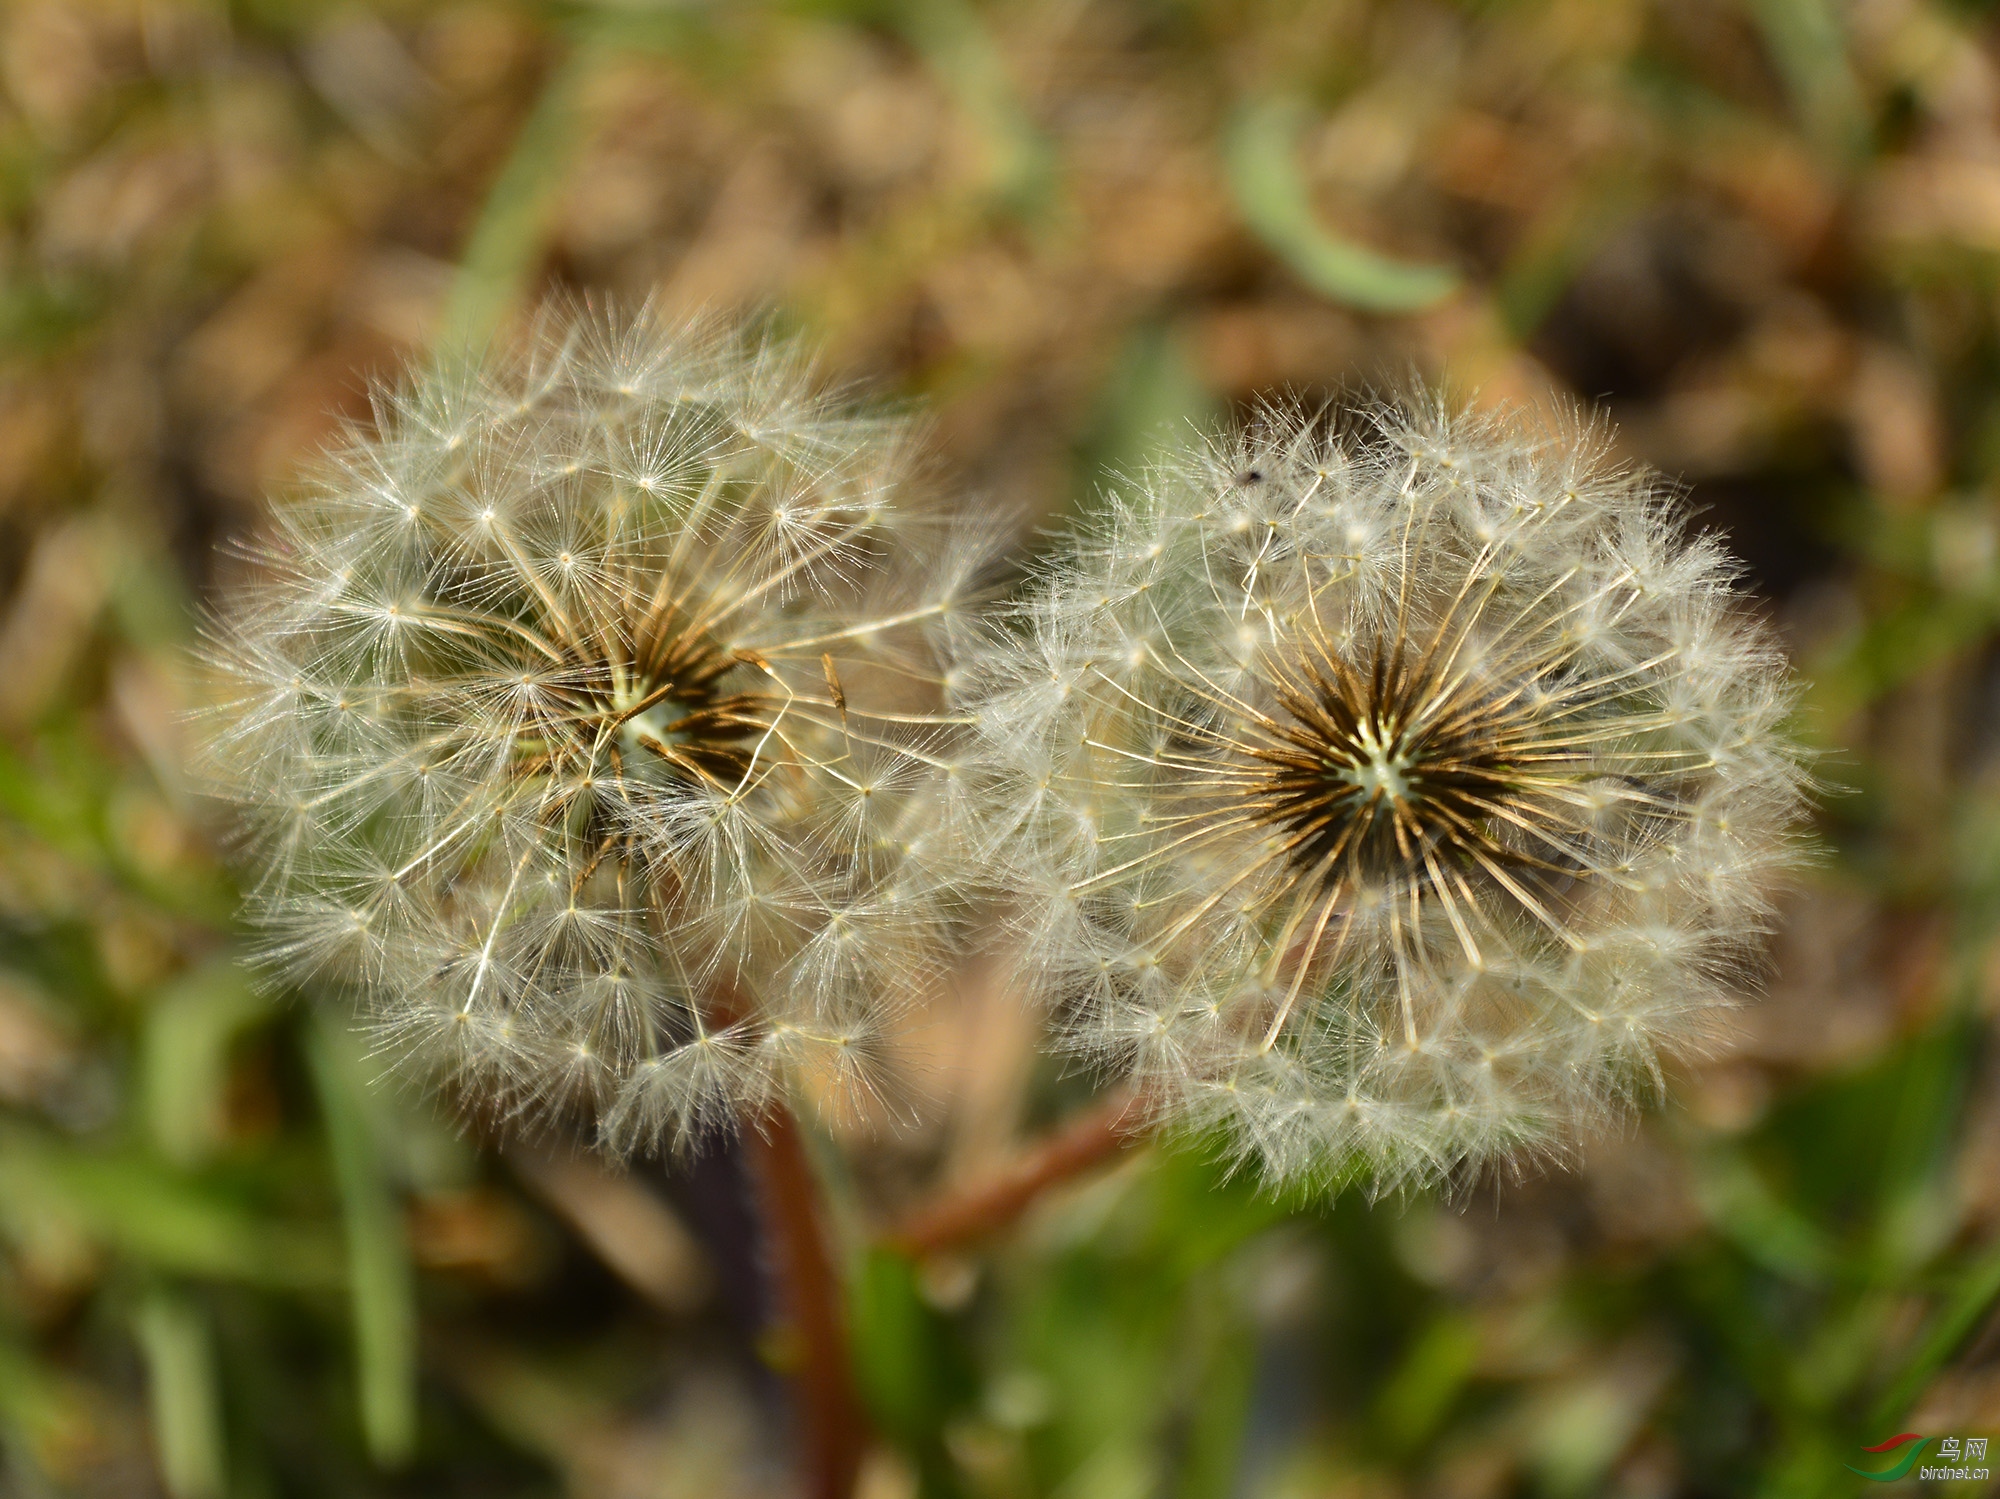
582 717
1399 795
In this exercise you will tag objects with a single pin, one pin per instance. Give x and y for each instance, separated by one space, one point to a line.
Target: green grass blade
507 239
51 1190
1977 1291
381 1280
44 1413
186 1406
189 1029
1271 195
1768 1230
1805 41
1021 165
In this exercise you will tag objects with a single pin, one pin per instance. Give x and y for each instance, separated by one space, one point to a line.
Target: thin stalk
510 233
981 1210
834 1431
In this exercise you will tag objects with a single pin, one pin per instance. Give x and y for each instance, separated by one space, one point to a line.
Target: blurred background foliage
1763 235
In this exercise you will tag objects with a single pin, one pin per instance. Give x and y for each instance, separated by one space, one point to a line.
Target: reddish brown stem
834 1431
987 1207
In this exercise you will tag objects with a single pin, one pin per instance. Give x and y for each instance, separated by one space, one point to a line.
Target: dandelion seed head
1445 797
582 719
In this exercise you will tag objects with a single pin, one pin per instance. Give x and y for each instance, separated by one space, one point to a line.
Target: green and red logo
1900 1466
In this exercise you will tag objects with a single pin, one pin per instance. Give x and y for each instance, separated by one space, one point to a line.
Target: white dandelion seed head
582 718
1446 795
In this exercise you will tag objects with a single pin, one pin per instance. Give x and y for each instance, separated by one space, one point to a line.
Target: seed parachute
1394 795
582 720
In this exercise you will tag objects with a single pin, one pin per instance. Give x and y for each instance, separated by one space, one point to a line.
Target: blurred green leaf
1271 193
1210 1462
906 1367
1770 1231
1544 263
1151 397
381 1281
1021 161
140 1207
186 1405
1967 1304
1199 1209
509 236
1918 1208
56 797
1883 652
1418 1396
892 1340
189 1030
1116 1470
1578 1432
43 316
1806 42
42 1410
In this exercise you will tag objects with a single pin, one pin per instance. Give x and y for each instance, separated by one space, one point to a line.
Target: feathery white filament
1398 795
583 721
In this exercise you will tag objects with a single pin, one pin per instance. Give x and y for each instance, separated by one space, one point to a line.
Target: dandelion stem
983 1209
834 1429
